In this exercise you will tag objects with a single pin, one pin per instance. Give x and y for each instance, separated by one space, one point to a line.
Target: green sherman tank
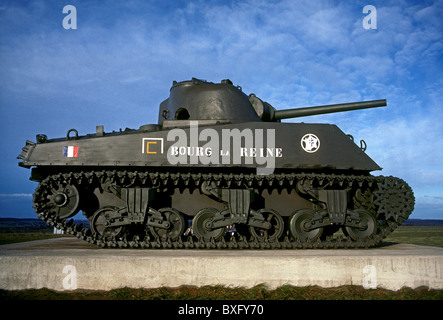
218 170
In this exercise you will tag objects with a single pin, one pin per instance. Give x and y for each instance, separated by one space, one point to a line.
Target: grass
419 235
223 293
7 238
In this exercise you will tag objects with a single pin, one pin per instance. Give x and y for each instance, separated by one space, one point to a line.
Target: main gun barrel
311 111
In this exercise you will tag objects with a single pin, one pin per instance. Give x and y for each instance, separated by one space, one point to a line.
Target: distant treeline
423 222
16 225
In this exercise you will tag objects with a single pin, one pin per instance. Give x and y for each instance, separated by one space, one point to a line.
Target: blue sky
118 65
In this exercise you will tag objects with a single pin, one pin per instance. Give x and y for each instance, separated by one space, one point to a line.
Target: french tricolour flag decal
70 152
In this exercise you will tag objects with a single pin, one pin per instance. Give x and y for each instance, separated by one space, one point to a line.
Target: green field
420 235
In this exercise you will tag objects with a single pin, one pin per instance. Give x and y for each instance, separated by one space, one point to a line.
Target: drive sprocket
394 199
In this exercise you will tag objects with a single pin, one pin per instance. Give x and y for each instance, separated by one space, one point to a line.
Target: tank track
391 201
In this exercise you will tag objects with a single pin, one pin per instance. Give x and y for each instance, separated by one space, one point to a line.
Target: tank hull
270 146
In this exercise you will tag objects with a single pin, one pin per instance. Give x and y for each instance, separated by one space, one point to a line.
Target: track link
391 201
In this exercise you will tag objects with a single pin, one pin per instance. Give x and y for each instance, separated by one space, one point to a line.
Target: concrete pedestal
69 263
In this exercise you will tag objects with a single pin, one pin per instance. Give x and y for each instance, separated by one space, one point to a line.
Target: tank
219 170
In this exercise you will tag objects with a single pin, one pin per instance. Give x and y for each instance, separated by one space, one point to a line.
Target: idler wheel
202 225
368 226
176 225
66 201
299 225
277 226
100 223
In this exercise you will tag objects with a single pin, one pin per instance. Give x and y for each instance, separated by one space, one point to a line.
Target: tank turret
206 101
